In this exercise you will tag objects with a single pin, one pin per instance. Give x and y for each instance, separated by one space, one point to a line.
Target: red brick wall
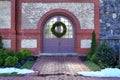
10 33
17 34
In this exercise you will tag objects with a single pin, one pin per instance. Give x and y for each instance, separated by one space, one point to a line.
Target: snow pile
108 72
18 71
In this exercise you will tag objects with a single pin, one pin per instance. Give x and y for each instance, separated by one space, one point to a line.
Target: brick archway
55 12
59 12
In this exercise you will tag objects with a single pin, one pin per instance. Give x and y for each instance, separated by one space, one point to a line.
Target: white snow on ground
18 71
107 72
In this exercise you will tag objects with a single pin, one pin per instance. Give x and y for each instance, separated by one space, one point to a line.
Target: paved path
57 68
59 65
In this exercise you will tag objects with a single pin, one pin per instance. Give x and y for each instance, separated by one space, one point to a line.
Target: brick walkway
57 68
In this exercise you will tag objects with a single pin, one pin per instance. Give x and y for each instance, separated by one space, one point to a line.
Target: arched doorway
52 44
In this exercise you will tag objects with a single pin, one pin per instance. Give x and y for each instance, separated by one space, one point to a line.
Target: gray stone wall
32 13
5 14
109 18
110 22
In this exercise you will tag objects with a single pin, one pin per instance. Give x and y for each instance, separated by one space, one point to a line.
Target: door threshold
58 54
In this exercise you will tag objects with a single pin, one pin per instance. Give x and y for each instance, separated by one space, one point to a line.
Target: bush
103 56
93 46
116 53
117 66
23 54
27 53
10 52
20 56
3 55
1 62
11 61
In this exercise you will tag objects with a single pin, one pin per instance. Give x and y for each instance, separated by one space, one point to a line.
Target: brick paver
59 65
57 68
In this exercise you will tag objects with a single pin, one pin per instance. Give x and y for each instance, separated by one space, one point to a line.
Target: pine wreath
58 34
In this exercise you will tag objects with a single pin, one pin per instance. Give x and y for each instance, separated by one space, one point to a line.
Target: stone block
28 43
6 43
86 43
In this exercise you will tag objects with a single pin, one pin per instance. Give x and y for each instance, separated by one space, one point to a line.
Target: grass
92 66
27 65
11 74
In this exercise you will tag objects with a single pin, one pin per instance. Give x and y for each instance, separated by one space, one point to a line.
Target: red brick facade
16 31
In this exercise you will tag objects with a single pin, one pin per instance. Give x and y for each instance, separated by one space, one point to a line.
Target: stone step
58 54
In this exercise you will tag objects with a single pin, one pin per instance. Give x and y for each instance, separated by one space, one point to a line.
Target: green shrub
116 54
20 56
3 55
117 66
11 61
93 46
23 54
1 62
10 52
1 44
103 56
27 53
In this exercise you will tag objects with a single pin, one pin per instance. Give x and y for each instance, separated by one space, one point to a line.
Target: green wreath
58 34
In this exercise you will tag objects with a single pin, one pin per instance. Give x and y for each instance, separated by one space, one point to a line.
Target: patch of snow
108 72
18 71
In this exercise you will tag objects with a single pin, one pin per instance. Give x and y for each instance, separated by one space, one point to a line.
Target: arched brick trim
56 12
